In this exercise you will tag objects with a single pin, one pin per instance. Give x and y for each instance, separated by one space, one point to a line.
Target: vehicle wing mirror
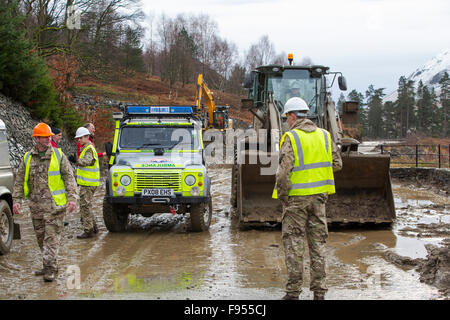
342 83
108 148
248 81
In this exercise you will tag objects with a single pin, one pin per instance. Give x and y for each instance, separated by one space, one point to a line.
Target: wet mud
158 258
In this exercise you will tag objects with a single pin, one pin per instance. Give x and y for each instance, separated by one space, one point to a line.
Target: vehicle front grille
148 179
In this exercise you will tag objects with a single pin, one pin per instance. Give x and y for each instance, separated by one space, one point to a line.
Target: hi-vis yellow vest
90 175
55 181
313 163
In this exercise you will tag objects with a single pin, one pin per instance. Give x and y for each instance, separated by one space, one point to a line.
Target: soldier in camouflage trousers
304 216
46 178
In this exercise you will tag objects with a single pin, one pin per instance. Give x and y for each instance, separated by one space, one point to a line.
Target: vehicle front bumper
137 200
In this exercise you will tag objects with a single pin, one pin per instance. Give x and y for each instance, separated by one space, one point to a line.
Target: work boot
49 275
86 235
319 295
41 272
289 297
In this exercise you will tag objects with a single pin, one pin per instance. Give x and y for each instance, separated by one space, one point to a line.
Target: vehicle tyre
201 214
115 216
6 227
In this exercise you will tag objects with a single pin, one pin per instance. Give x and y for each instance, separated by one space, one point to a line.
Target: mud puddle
157 258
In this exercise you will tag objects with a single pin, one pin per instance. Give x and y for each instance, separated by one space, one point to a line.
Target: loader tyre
6 227
201 214
115 216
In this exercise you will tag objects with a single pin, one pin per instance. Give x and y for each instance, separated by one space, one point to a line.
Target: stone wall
19 126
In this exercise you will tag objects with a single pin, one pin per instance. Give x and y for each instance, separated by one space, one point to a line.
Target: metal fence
424 155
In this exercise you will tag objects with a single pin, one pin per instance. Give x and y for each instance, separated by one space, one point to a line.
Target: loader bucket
254 200
363 191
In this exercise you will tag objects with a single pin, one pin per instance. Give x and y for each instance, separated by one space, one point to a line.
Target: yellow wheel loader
363 186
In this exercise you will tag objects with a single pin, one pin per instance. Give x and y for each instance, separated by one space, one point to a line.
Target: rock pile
19 126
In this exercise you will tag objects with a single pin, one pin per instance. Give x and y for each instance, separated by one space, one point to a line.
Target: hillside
142 89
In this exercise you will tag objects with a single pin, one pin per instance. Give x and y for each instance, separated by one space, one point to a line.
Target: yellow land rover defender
157 165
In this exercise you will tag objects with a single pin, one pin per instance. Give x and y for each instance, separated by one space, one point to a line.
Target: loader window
296 83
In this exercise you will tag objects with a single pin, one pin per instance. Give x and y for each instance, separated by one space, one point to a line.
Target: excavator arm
202 89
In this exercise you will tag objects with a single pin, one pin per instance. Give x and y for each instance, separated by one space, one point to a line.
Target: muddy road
158 259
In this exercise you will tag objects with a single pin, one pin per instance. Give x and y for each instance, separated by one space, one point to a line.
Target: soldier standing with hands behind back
46 178
304 180
88 178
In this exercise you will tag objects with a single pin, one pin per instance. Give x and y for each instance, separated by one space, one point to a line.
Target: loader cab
281 83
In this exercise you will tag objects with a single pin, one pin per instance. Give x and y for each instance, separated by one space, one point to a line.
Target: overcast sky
369 41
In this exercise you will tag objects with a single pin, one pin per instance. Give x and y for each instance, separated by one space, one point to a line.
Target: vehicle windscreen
296 83
150 137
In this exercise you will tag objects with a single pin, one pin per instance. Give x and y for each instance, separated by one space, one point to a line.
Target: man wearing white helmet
88 178
304 179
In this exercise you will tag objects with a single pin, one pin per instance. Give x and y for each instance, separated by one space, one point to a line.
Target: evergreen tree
405 105
425 109
375 111
390 123
132 54
436 115
444 99
23 74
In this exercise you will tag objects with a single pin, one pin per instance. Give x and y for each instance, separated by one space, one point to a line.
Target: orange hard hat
42 130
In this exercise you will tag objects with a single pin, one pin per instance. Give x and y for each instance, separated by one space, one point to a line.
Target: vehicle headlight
120 191
125 180
189 180
195 191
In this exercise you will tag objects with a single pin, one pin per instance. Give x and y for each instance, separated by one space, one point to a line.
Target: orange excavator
216 117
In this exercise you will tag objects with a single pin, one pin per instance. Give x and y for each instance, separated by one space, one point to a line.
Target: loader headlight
189 180
195 191
125 180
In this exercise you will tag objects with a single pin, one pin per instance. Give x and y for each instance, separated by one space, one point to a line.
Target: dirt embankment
433 270
435 178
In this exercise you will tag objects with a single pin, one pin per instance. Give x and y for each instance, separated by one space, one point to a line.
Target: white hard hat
295 104
81 132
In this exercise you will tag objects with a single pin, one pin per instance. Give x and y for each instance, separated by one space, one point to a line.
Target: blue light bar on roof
138 109
159 110
181 110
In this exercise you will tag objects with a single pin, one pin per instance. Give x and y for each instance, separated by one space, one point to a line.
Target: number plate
158 193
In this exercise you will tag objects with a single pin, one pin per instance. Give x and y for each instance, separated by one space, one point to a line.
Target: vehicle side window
4 151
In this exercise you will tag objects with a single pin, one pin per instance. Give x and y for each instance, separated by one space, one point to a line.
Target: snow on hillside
430 73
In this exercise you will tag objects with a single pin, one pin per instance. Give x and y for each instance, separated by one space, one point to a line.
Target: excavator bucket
363 193
363 190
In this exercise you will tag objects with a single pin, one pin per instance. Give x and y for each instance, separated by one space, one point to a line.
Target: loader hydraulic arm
202 88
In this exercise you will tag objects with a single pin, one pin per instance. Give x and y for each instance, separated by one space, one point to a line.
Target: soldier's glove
72 158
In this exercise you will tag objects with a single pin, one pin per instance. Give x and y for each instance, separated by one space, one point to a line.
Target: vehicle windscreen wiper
148 144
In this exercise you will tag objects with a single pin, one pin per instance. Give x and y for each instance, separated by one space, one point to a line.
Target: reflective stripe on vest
90 175
55 181
313 169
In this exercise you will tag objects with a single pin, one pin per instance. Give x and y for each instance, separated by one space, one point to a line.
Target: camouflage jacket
88 158
286 160
38 179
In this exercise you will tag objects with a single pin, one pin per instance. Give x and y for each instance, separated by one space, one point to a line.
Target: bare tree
261 53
